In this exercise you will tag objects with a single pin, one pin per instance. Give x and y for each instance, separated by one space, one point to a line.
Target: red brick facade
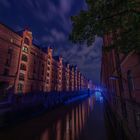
129 95
26 68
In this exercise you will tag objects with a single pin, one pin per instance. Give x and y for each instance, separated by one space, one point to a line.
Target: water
82 120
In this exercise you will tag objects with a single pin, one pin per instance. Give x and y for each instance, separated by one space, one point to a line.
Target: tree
120 17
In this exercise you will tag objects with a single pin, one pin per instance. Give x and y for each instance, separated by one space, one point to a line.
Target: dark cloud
5 3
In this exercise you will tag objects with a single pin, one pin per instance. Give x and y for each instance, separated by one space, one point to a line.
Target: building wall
129 97
25 68
76 79
54 75
67 77
10 47
59 73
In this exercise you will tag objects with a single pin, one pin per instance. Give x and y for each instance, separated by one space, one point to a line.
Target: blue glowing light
98 96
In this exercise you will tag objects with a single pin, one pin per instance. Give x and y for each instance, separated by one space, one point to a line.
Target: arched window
20 87
23 67
49 63
26 41
21 77
24 58
25 49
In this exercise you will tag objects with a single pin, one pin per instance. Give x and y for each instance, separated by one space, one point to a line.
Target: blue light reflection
98 96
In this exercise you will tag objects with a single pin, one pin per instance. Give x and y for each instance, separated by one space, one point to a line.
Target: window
21 77
26 41
9 58
49 57
130 80
23 67
49 63
47 81
20 87
34 70
8 62
42 69
137 119
34 62
48 75
6 72
24 58
10 51
32 87
25 49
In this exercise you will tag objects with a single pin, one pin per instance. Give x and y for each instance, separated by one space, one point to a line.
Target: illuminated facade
25 68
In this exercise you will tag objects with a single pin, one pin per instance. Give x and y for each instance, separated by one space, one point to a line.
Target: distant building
27 68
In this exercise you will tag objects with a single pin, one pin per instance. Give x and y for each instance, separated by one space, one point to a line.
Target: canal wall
17 108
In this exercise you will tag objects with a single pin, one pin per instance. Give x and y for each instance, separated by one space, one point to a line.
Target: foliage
109 16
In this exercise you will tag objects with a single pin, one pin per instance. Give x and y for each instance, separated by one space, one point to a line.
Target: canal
81 120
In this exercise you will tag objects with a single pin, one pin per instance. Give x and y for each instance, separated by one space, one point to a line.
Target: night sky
49 20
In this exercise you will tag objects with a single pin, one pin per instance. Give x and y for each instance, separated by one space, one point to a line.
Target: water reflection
70 126
99 96
75 121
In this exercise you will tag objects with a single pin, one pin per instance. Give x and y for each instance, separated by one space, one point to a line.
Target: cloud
49 12
59 36
65 6
48 39
5 3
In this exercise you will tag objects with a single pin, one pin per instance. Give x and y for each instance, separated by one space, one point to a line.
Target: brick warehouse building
24 67
123 94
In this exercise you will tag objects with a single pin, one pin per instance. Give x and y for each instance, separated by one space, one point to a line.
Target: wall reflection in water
70 126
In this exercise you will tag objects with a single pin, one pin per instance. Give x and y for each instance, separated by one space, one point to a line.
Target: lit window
24 58
25 49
